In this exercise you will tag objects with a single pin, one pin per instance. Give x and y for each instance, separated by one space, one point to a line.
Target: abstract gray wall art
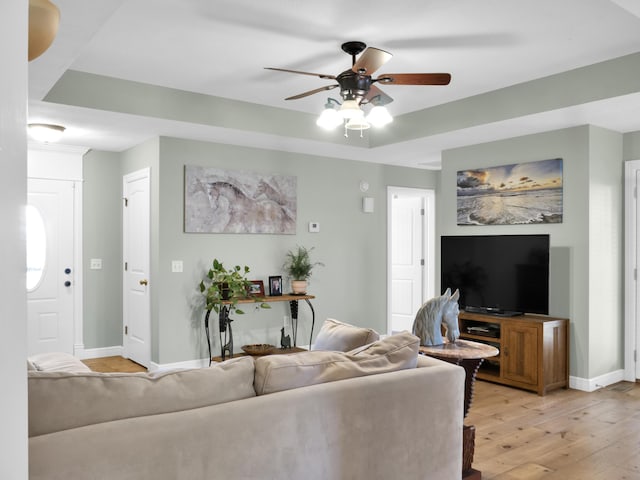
229 201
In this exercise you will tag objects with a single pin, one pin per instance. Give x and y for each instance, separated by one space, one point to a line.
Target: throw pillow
342 337
282 372
56 362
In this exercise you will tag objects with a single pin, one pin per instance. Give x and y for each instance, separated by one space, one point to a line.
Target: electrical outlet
314 227
177 266
95 264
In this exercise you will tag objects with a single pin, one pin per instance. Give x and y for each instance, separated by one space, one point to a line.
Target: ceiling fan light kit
357 88
379 116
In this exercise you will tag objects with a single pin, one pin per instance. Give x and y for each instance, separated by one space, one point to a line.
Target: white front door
136 279
50 266
409 254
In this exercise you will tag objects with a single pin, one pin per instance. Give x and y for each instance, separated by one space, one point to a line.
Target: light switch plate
314 227
177 266
95 264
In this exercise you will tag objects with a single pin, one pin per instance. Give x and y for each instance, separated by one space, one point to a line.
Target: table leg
471 366
293 306
225 325
313 321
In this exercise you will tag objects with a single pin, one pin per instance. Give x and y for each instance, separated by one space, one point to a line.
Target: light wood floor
565 435
113 364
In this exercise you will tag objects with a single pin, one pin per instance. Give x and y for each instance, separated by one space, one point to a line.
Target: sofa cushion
56 362
282 372
62 400
342 337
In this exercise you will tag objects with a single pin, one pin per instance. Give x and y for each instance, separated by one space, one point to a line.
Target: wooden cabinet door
520 352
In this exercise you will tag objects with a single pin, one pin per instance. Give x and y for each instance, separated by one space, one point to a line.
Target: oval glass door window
36 247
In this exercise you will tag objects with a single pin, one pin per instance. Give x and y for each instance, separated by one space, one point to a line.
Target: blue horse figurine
438 310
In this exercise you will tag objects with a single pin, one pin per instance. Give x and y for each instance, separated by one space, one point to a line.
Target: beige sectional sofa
376 412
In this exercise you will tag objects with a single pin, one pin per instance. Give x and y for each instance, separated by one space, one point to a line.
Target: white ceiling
220 47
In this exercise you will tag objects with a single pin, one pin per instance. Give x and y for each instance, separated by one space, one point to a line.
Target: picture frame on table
256 289
275 285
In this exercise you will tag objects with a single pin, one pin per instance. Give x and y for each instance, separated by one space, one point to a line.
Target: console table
470 356
224 322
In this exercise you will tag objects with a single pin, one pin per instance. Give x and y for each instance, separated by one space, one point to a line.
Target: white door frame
64 162
631 170
428 244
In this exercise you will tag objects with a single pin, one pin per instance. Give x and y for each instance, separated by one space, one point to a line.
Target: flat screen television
497 274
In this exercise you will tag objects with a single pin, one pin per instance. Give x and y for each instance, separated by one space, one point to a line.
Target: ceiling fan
357 83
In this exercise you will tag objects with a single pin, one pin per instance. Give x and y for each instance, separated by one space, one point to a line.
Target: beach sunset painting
524 193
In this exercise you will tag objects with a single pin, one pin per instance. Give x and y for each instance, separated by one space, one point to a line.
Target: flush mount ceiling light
44 18
357 88
46 132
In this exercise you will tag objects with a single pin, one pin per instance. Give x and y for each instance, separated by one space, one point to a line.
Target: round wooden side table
470 356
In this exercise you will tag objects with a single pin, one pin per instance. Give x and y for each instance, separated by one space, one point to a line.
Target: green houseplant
299 268
226 287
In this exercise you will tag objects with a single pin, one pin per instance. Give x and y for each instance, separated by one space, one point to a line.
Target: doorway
136 211
410 254
632 254
51 270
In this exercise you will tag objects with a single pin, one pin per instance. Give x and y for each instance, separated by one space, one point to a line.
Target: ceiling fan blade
377 97
371 60
311 92
321 75
415 78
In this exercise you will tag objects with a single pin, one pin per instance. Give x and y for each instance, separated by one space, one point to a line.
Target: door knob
67 283
67 271
144 282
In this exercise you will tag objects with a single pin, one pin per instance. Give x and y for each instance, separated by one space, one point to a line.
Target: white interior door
632 256
409 255
136 280
50 266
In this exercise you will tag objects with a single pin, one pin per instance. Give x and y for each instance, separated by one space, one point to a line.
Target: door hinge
126 330
126 266
422 212
422 262
635 355
635 274
126 201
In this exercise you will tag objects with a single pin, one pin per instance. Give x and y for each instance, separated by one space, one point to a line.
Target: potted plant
299 267
226 287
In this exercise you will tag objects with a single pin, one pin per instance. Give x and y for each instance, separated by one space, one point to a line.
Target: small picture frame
275 286
256 289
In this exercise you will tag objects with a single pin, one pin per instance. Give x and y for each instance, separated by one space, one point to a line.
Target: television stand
534 349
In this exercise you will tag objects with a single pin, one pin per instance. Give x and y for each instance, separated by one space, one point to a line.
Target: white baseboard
593 384
82 353
199 363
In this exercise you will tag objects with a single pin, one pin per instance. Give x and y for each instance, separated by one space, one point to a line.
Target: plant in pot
299 267
225 287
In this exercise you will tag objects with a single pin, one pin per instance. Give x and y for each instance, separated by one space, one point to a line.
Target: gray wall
586 254
631 146
102 238
352 244
586 261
